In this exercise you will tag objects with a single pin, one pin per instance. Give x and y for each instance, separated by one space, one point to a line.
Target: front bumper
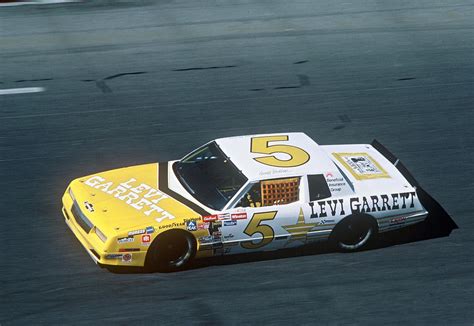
94 247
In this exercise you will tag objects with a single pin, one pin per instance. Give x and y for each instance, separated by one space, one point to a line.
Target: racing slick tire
354 233
171 251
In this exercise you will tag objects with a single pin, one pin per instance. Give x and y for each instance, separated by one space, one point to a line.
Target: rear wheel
171 251
355 233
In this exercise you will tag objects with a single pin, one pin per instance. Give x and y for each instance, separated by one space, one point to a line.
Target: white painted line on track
37 2
24 90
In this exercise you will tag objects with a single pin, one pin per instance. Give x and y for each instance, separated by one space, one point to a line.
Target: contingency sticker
361 165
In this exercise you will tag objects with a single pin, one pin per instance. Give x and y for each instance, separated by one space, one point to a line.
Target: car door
268 216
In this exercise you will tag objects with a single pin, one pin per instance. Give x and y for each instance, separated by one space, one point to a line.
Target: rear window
318 187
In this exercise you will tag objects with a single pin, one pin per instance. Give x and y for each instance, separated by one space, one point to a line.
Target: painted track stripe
37 2
24 90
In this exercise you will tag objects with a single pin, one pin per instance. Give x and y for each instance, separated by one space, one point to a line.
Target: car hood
122 199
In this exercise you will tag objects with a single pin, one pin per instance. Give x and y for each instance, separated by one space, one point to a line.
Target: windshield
209 176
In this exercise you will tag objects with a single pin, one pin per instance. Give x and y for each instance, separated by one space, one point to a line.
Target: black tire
171 251
355 233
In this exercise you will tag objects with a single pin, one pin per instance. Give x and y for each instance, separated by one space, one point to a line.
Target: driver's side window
272 192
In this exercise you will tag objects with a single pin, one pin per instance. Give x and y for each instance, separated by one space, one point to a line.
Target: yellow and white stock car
241 194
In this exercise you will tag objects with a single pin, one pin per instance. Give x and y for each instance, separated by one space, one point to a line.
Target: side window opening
252 198
318 187
272 192
280 191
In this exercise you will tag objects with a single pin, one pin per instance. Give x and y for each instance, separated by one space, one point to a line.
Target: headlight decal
100 234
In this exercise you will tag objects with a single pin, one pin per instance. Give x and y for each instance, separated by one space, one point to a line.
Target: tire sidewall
154 262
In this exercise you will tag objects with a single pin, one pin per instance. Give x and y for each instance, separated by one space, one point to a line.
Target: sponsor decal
398 220
206 239
327 221
149 229
146 239
363 204
239 216
230 223
225 216
113 256
171 226
125 239
203 226
191 225
136 232
382 202
127 258
140 196
361 165
228 236
209 218
89 206
336 184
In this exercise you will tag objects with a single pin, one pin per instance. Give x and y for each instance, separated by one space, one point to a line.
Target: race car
241 194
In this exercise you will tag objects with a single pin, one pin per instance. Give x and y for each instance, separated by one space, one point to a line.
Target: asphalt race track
117 83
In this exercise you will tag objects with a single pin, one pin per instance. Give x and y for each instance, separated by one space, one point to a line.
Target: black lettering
375 201
313 214
355 206
413 194
333 209
342 207
404 196
385 202
322 206
395 201
365 205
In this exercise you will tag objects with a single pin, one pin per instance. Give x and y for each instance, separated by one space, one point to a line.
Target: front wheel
171 251
355 233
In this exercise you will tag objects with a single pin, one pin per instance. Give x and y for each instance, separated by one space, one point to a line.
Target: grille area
80 218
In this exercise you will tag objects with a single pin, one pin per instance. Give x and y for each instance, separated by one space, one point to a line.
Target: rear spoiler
396 162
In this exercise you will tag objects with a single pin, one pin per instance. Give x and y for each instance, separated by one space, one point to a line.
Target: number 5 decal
261 145
254 226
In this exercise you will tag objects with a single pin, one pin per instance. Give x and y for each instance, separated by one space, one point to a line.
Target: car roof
238 149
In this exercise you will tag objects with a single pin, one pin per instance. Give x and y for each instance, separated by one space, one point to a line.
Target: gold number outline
265 148
254 226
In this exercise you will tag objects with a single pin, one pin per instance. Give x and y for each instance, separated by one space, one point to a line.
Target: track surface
398 71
